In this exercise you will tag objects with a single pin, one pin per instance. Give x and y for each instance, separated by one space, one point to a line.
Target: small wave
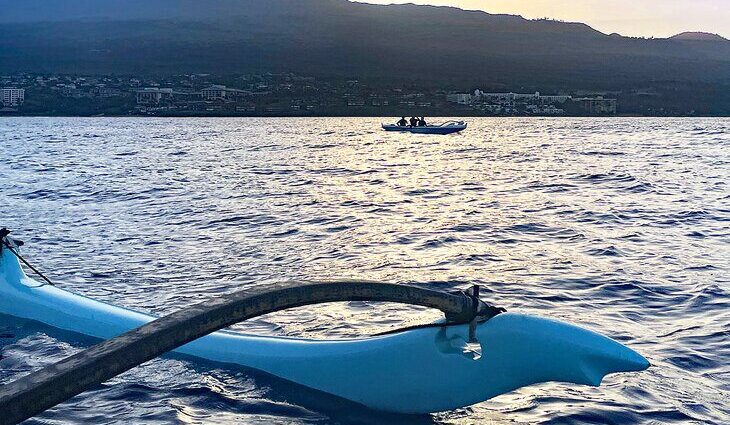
337 229
701 268
285 233
46 194
603 153
127 153
551 187
609 177
684 217
473 227
609 251
641 188
438 242
541 229
477 259
421 191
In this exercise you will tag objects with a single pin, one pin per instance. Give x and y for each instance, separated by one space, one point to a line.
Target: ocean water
620 225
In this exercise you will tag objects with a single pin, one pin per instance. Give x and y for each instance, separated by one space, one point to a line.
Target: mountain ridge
338 37
699 36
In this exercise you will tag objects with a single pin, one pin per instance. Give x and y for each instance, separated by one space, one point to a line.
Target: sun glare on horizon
645 18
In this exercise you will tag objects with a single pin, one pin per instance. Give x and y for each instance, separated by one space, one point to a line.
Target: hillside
699 36
337 37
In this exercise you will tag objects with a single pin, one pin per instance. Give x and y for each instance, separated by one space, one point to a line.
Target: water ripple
621 225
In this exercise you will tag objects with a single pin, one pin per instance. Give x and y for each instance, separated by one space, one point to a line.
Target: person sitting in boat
402 122
422 122
413 121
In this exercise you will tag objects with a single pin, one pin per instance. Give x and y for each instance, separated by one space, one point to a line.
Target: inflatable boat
445 128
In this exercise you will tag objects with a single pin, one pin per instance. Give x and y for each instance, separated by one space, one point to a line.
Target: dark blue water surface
619 225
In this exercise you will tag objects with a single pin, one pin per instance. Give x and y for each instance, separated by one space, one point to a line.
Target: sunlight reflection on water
619 225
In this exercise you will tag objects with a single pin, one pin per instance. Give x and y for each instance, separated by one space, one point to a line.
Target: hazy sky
658 18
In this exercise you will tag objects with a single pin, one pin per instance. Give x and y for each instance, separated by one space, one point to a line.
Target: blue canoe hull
416 371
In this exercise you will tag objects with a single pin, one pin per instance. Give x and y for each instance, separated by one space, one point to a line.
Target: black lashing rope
481 312
3 234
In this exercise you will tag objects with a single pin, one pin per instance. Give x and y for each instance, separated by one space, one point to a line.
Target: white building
555 99
153 95
506 98
510 97
460 98
544 110
526 96
218 92
214 92
12 96
597 105
500 98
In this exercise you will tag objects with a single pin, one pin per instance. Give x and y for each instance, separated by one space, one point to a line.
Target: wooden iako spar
34 393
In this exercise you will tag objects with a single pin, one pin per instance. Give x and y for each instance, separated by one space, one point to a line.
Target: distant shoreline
9 115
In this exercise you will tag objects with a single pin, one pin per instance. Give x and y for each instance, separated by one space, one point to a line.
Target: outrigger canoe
418 370
445 128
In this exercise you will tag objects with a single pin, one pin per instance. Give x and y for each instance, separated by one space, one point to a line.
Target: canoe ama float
414 371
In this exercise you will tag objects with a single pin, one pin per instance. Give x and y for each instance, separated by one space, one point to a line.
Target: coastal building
71 90
554 99
12 96
153 95
102 91
220 92
522 97
213 92
494 109
597 105
504 98
544 109
497 98
460 98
